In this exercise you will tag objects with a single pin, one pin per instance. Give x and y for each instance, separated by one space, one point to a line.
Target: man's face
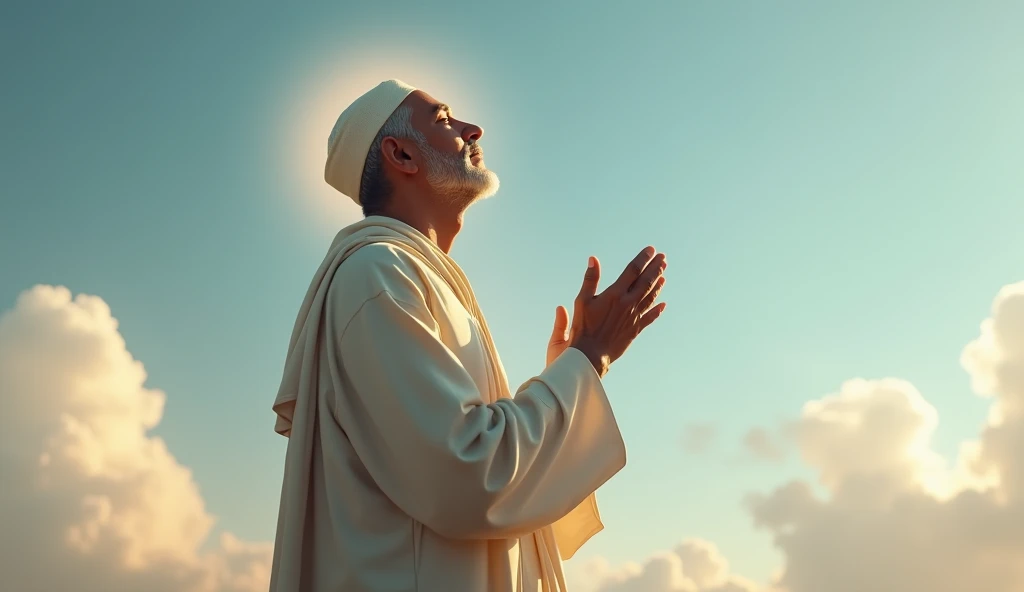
453 160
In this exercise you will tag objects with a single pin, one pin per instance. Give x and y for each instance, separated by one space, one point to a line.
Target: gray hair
374 189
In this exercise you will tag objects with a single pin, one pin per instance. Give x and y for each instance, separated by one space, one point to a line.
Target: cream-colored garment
410 464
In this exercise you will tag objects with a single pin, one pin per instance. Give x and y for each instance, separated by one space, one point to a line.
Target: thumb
561 324
590 279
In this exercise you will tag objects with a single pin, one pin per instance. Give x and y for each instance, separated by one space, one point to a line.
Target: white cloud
97 503
892 516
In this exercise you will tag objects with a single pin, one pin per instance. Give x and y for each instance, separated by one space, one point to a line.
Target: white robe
410 464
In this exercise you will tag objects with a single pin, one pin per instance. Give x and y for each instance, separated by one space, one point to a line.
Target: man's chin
484 185
490 189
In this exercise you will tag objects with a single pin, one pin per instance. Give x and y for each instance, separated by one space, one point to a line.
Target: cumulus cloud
693 566
886 513
91 501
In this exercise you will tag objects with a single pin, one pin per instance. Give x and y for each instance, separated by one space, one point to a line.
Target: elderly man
411 465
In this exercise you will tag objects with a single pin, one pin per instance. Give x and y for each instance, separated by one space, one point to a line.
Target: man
411 466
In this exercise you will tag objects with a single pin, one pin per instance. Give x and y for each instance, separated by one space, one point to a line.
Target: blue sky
838 190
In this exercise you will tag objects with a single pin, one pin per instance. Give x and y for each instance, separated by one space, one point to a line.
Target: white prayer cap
355 130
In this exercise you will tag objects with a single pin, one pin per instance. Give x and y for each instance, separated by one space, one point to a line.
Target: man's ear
400 154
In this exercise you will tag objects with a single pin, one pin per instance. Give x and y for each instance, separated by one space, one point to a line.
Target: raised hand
559 335
604 325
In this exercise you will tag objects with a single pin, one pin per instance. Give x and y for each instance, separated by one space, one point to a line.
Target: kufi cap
355 130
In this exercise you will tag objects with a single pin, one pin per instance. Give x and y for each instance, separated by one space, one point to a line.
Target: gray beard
456 180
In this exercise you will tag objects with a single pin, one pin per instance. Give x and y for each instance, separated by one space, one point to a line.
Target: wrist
600 362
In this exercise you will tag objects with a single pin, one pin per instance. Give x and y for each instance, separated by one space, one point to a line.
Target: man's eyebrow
442 108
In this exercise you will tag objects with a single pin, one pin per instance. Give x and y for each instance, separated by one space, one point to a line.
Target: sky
837 189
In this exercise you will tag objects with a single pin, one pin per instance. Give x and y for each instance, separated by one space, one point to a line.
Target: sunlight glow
325 89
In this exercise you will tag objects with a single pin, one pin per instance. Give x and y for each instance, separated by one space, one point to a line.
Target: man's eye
445 120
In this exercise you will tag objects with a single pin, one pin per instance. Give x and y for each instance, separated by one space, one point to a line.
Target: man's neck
438 224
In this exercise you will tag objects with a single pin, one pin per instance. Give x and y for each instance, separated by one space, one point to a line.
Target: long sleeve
461 466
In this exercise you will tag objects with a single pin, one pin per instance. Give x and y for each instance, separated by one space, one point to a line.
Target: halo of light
325 90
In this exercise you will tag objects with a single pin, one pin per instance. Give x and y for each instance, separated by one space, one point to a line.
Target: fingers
559 333
649 317
633 271
590 279
645 283
648 301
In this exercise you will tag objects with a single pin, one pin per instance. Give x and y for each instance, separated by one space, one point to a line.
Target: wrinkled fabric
410 463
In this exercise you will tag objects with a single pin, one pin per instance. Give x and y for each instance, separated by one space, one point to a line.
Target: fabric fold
569 388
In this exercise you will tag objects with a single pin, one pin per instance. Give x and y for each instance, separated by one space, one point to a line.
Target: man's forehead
422 102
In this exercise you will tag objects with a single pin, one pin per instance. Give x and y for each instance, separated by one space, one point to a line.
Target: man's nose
472 133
